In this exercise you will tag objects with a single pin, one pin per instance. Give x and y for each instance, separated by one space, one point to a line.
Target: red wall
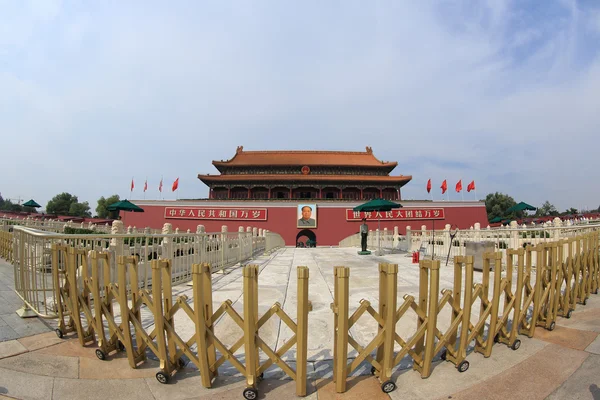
332 226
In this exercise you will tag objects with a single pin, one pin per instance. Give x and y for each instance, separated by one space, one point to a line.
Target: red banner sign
229 214
404 214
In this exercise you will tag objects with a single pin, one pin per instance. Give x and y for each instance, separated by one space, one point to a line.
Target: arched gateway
310 241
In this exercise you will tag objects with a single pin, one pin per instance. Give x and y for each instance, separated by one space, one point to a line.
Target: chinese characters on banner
230 214
405 214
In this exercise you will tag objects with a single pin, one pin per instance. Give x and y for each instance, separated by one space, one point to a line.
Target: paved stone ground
564 363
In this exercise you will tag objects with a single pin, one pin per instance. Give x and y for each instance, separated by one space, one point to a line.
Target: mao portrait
307 216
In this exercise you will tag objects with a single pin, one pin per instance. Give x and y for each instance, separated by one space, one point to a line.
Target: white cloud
450 93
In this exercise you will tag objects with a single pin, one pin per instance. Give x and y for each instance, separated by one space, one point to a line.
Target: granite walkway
564 363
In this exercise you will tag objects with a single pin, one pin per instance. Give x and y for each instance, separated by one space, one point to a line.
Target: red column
341 193
320 192
290 193
380 193
229 193
269 193
361 194
249 193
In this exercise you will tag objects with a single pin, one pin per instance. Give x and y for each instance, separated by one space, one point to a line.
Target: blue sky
505 93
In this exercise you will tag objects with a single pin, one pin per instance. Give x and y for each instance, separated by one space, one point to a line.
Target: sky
506 93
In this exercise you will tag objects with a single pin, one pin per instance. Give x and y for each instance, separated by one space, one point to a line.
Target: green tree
496 205
7 205
547 209
571 211
67 204
103 203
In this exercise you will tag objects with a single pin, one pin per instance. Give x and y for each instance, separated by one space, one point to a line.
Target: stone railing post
224 245
477 232
447 240
557 232
514 235
409 239
241 234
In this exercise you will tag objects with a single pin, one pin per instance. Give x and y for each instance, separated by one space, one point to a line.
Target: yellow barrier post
510 339
302 330
486 347
342 275
207 304
202 316
382 308
456 352
159 323
529 292
389 316
428 300
250 330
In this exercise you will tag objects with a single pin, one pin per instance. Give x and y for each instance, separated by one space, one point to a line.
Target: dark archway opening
306 238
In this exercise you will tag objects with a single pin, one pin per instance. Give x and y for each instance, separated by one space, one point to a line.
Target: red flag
176 184
471 186
459 186
160 186
146 185
132 185
444 186
429 186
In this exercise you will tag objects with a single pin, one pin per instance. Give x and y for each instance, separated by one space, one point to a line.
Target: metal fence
31 254
107 309
509 301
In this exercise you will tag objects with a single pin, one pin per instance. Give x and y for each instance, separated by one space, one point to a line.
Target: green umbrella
497 219
377 205
31 203
124 205
520 207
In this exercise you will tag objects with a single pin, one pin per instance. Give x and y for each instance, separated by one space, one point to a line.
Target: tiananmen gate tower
303 195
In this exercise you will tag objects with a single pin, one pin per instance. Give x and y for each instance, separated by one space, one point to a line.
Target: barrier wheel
388 387
596 291
181 363
569 313
120 346
497 338
59 333
516 344
250 393
100 354
552 326
373 370
443 355
261 376
585 301
162 377
463 366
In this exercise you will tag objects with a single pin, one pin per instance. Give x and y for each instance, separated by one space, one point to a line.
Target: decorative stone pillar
477 232
249 229
129 230
166 230
557 224
514 235
200 229
409 239
255 231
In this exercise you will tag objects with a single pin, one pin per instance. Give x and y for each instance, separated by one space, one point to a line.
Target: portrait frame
312 216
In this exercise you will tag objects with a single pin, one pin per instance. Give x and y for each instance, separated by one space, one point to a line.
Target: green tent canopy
31 203
124 205
377 205
520 207
495 220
